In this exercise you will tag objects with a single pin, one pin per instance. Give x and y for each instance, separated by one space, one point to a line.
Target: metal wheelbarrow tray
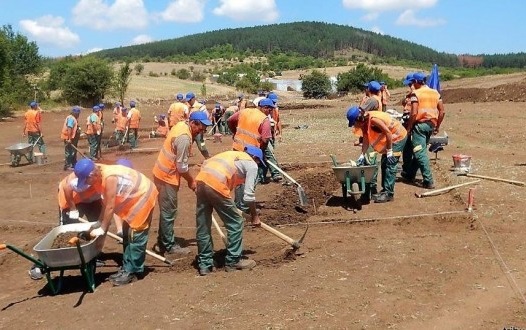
18 150
353 178
80 257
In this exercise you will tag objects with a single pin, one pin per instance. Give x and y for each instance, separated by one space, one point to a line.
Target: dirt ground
414 263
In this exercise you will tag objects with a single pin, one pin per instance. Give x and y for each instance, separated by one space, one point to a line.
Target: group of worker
383 134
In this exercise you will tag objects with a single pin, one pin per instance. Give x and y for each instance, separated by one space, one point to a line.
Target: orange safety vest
220 172
428 99
135 117
247 132
165 168
32 118
92 127
64 135
120 122
116 113
89 195
377 140
162 129
176 113
136 194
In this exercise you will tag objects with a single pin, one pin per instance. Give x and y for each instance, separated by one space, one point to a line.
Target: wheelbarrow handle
23 254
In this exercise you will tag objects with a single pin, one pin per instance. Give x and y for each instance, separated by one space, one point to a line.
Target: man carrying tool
33 128
178 111
93 131
101 119
171 165
162 127
220 175
70 135
427 113
194 106
217 118
386 136
268 106
134 119
131 196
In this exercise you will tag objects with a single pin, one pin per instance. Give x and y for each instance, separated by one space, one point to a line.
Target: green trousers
200 141
70 153
371 157
207 201
263 170
93 145
419 139
134 247
32 137
389 170
167 199
133 137
227 115
407 155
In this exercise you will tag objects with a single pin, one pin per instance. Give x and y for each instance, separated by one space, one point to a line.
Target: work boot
36 273
124 278
177 249
383 198
117 274
203 271
277 178
428 185
242 264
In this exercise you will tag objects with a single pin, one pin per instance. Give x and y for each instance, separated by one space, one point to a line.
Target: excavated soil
62 240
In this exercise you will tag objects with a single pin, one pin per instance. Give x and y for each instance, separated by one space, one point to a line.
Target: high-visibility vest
116 113
64 135
32 118
378 141
220 172
135 117
87 196
428 99
247 132
162 129
136 194
165 168
92 124
177 112
120 122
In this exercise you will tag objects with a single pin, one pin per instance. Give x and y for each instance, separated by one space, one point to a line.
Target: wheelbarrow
80 256
18 151
353 178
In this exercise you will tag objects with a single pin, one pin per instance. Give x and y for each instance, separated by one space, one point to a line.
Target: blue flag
434 80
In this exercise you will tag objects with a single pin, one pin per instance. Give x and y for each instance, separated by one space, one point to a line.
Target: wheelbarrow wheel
355 188
15 160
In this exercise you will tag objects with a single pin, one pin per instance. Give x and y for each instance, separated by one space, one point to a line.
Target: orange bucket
462 162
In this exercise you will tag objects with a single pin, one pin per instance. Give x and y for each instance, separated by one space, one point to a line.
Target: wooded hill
314 39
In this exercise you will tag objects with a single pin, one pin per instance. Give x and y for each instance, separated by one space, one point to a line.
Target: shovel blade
303 196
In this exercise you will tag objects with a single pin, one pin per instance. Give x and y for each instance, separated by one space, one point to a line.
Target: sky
71 27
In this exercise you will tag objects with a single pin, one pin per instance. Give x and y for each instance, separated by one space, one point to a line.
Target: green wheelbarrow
354 179
79 256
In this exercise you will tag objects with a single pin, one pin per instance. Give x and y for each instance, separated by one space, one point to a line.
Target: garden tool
518 183
441 190
216 226
301 192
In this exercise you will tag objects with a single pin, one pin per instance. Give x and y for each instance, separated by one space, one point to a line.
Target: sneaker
277 178
99 263
428 185
117 274
177 249
242 264
203 271
124 278
36 273
383 198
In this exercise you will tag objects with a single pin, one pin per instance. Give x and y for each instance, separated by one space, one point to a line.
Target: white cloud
388 5
408 18
248 10
122 14
50 30
141 39
93 50
184 11
376 29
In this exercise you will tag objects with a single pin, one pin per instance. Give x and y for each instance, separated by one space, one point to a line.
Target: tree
122 81
316 85
138 68
353 80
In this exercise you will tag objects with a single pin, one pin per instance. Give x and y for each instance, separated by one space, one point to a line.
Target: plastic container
462 162
39 158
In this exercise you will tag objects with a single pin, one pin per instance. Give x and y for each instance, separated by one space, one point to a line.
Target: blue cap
419 76
118 104
96 108
179 97
162 116
240 95
132 104
76 109
352 114
101 105
82 170
374 86
218 106
124 109
33 104
255 152
266 103
124 162
200 116
189 96
273 97
408 79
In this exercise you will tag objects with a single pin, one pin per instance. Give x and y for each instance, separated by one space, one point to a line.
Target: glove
97 232
74 215
391 160
361 160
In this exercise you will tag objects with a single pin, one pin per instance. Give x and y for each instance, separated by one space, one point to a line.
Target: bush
182 74
316 85
153 74
138 68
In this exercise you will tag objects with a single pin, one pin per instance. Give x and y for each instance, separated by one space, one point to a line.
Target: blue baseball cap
189 96
218 106
256 152
33 104
118 104
162 116
352 114
101 105
179 97
240 95
408 79
124 162
132 104
374 86
96 108
200 116
266 103
419 76
82 170
76 109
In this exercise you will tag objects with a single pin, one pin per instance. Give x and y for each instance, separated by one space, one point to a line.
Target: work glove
97 232
361 160
74 215
391 160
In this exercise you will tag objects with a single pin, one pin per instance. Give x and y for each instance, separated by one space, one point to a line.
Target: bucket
462 162
38 158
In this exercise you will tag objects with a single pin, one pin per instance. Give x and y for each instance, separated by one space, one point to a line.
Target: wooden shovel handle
278 234
519 183
3 246
216 226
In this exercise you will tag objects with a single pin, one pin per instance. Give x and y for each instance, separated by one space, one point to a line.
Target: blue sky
62 27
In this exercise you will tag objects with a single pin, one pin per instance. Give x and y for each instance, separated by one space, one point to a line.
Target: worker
134 119
93 131
116 112
101 119
131 196
384 95
178 111
386 136
261 96
355 130
120 126
407 154
241 102
162 127
70 135
228 113
217 118
427 114
220 175
171 165
33 129
194 106
268 106
275 120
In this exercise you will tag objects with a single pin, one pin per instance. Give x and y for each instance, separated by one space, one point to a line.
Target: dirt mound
506 92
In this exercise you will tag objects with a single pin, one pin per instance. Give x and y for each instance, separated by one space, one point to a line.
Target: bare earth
414 263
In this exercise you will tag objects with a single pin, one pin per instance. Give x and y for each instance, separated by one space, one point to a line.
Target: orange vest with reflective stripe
136 194
120 123
64 135
247 132
89 195
162 129
135 118
92 127
116 113
220 172
32 118
165 168
177 113
428 99
377 140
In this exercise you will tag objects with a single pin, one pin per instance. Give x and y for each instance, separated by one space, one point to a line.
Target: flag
434 79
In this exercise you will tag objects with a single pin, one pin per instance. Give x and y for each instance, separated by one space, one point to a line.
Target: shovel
122 147
301 192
